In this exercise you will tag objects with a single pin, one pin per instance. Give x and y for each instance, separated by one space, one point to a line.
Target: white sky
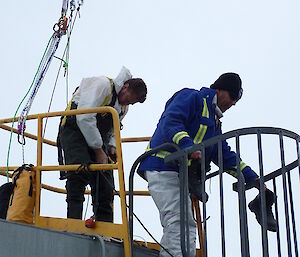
171 45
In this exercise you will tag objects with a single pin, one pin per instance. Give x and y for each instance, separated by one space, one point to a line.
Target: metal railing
284 172
181 157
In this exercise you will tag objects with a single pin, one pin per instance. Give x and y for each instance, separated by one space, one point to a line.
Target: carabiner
72 5
23 142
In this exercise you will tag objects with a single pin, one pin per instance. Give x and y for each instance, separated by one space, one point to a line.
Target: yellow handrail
49 142
103 228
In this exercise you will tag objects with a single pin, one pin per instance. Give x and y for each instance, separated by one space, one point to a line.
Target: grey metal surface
20 240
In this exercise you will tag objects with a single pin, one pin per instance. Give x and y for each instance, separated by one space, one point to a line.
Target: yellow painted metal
46 141
199 253
106 229
53 143
38 169
155 246
125 228
9 120
196 208
74 225
57 190
139 193
135 139
10 168
74 167
63 191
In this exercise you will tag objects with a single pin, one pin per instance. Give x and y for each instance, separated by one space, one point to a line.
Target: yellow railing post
38 170
116 125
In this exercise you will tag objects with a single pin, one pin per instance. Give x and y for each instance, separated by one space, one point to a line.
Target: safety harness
104 122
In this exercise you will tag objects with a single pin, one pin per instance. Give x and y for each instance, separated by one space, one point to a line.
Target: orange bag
21 203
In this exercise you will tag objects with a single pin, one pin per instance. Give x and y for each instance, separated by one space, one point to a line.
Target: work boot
255 207
195 184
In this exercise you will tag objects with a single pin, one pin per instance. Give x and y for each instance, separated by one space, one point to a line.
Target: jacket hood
122 77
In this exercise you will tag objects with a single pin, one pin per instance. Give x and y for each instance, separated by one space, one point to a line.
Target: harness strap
112 97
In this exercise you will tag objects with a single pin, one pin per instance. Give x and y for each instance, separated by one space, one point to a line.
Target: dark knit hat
230 82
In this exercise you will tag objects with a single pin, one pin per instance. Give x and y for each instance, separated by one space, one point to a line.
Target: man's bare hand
112 152
100 155
196 155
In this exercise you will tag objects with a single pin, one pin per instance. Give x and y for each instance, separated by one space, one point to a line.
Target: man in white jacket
89 138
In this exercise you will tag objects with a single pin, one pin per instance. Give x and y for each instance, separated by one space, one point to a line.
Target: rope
64 63
87 204
64 8
54 42
60 29
12 126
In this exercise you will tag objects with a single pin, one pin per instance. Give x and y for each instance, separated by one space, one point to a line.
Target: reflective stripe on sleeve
202 129
243 165
200 134
234 171
178 136
205 112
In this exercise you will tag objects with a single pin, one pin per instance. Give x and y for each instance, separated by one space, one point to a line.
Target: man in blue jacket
190 117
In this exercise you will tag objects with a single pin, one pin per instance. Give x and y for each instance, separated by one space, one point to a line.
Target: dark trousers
76 151
102 198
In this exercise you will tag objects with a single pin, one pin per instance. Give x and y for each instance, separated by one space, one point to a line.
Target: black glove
195 183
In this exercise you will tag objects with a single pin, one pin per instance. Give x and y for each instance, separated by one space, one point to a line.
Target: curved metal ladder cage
72 225
284 172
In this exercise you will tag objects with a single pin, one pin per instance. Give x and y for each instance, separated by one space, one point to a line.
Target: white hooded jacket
91 93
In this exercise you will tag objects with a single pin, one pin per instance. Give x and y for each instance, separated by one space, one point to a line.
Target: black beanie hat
230 82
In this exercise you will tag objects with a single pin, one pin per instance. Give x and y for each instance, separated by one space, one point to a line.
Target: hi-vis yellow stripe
200 134
63 122
178 136
234 172
202 129
105 102
243 165
205 112
107 99
161 154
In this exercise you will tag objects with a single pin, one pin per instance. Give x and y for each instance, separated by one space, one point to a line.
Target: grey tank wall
29 241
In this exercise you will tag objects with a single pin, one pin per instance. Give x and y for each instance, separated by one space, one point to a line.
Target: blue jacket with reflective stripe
189 118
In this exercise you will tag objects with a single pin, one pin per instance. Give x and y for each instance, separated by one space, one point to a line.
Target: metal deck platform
30 241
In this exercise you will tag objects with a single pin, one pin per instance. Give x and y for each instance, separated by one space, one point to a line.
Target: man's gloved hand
255 207
195 185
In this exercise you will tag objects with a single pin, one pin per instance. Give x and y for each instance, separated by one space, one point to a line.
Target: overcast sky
171 45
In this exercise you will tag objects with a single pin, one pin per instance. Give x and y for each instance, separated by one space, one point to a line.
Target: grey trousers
164 189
